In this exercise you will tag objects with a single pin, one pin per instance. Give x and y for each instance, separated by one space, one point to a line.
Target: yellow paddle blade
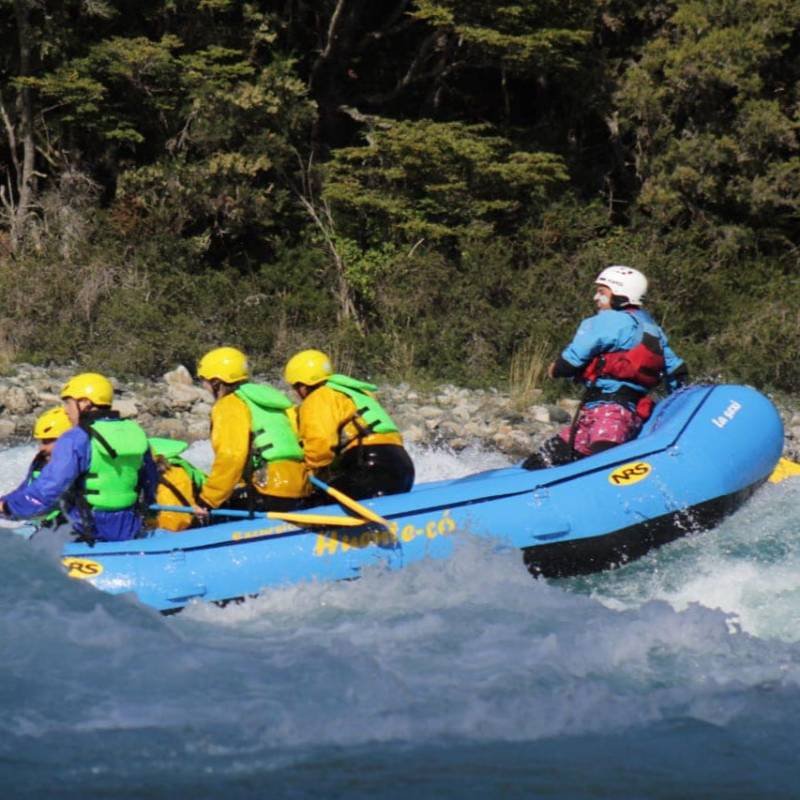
315 519
784 469
353 505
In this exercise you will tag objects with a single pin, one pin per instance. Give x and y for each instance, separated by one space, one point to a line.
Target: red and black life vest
643 364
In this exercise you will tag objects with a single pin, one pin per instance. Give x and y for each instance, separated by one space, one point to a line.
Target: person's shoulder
230 403
128 422
323 401
228 409
642 314
72 437
69 444
614 319
606 326
603 320
322 394
646 319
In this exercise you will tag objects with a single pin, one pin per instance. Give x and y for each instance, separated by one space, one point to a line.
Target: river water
677 676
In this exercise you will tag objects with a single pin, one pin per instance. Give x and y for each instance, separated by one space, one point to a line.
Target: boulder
169 428
512 441
559 415
45 400
126 407
17 400
430 412
540 414
183 396
7 428
569 404
414 434
202 410
197 429
450 429
180 376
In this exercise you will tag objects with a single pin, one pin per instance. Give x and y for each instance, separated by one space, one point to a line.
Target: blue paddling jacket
614 331
62 478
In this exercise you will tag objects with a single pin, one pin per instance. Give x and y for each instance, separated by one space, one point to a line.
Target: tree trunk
25 173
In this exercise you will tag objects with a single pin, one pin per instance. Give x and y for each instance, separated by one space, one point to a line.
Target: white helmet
624 282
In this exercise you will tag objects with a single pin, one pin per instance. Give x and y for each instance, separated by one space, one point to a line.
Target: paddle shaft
296 518
213 512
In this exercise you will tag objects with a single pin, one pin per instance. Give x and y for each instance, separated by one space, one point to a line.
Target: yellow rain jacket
182 481
230 441
324 425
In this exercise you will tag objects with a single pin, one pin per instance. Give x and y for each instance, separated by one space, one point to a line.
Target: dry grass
527 371
8 352
342 360
400 363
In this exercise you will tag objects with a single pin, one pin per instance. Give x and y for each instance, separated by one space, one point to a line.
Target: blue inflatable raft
701 454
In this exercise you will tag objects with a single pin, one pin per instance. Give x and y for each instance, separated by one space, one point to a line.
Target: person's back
620 354
258 461
348 437
97 468
179 483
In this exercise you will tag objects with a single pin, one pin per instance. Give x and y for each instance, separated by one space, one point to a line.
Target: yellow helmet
90 386
309 367
226 364
51 424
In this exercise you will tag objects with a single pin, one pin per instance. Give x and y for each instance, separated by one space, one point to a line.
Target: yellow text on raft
82 568
628 474
330 544
275 530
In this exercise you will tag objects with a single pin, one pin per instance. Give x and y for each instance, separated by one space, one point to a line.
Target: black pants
369 471
555 452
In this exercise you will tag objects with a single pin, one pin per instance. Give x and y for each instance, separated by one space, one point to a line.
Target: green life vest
167 448
171 449
272 435
370 416
117 453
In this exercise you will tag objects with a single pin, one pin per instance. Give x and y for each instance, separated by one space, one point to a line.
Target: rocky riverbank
447 416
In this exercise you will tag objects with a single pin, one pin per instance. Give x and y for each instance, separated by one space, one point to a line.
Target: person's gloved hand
677 378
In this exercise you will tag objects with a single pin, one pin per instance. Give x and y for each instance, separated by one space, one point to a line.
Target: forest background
425 188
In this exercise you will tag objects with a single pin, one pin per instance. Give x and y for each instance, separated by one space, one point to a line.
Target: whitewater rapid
675 676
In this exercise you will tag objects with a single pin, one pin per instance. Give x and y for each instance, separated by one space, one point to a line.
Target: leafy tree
421 183
427 183
713 108
209 128
439 181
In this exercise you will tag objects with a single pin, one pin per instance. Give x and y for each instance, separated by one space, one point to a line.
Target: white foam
14 463
470 647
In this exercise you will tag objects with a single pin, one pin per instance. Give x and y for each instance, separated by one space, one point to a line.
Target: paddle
786 468
296 518
348 502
